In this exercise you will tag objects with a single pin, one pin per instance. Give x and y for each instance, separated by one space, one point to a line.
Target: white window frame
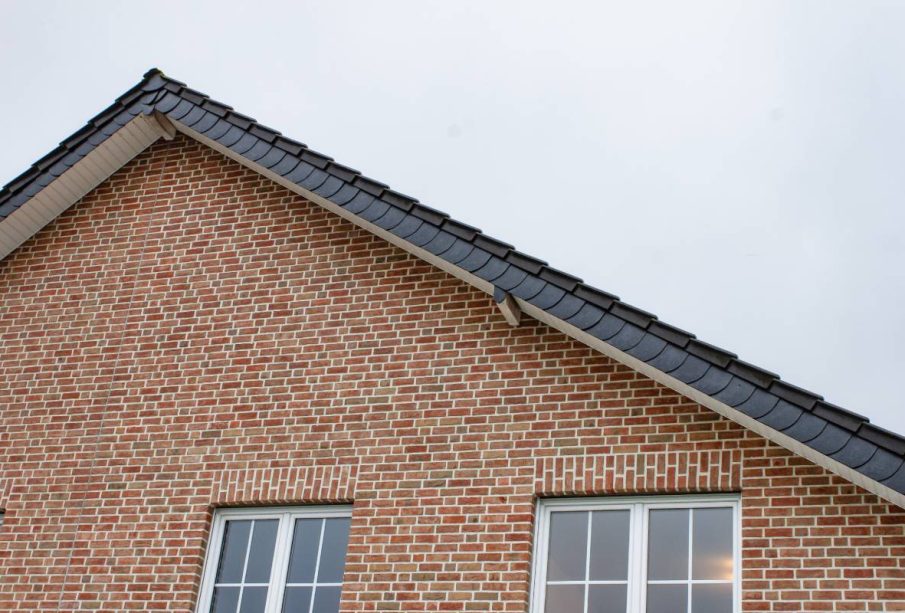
639 507
280 565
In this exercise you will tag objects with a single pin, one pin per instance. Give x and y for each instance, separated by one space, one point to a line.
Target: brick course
191 334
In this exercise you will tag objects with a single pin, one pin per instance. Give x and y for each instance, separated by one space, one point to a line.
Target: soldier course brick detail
191 335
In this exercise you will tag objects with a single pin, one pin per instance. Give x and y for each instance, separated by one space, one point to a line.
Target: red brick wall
192 334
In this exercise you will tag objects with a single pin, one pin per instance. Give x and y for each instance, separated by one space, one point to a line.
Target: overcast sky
737 168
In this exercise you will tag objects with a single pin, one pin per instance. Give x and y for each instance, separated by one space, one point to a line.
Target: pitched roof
843 441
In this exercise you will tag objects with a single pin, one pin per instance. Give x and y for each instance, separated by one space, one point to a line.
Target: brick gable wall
191 334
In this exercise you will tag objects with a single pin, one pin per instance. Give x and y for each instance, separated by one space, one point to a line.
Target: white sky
734 167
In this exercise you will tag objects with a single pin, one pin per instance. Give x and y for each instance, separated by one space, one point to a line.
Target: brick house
239 376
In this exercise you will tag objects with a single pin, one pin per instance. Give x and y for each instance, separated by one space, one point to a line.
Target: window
276 560
633 555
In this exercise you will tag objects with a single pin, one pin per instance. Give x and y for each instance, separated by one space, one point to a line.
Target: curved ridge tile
193 117
608 327
830 440
758 404
783 415
882 465
440 243
713 381
494 268
206 123
424 235
314 180
391 219
737 392
182 109
567 307
650 347
232 136
273 157
691 369
219 130
377 210
528 288
807 428
897 480
856 452
259 150
407 226
586 317
629 336
301 172
287 164
345 195
475 259
168 103
329 187
458 251
547 297
513 277
245 144
669 359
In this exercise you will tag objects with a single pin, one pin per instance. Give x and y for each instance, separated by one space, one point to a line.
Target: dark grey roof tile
440 243
377 210
462 230
882 465
497 248
424 235
244 144
168 103
807 428
794 394
669 359
830 440
182 109
547 297
359 202
595 296
194 116
459 251
713 381
398 199
856 452
559 278
513 277
493 269
633 315
375 188
748 372
263 132
839 416
608 327
588 316
897 480
758 404
674 335
529 288
650 347
567 307
392 218
219 129
711 353
342 172
290 146
736 393
329 187
301 172
525 262
428 214
314 180
286 165
345 195
883 438
409 225
318 160
783 416
475 259
629 336
232 136
239 120
273 157
260 149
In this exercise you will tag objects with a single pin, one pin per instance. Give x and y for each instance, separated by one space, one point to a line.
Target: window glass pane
333 550
564 598
667 551
253 600
260 555
226 600
297 600
668 598
232 556
326 599
712 544
568 546
606 598
609 545
711 598
303 556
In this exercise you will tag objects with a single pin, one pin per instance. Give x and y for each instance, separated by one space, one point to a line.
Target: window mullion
280 563
690 543
317 565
